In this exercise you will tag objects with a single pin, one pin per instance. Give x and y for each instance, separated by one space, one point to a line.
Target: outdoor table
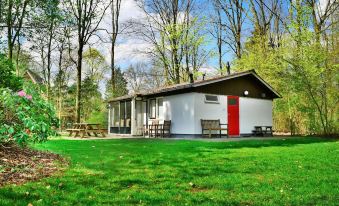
86 128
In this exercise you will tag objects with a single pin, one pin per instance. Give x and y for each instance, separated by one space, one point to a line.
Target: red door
233 115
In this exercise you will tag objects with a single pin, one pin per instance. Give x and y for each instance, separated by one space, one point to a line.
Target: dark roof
34 77
199 83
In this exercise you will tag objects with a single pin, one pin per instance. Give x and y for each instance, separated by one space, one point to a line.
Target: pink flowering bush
25 116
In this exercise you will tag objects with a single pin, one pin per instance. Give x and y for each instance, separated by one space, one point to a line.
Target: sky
129 46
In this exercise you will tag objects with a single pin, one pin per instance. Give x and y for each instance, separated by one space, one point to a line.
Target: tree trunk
78 96
113 66
9 31
49 60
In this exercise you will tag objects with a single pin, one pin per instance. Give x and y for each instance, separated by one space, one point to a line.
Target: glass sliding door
121 117
115 117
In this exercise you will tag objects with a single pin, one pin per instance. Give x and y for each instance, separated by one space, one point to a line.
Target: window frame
151 116
211 102
158 108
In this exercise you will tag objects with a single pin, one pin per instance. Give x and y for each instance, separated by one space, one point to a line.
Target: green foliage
120 85
95 64
25 116
99 117
92 101
297 171
7 77
302 70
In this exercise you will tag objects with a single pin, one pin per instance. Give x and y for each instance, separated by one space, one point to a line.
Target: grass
302 171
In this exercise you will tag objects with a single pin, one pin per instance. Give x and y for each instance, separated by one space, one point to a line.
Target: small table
86 128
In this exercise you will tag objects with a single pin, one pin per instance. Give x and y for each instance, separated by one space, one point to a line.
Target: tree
15 12
141 77
95 66
8 79
48 20
115 12
217 32
234 17
87 15
167 32
314 72
92 100
121 86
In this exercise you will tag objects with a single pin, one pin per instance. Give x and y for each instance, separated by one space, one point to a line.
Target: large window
115 114
128 114
152 108
121 117
122 114
160 108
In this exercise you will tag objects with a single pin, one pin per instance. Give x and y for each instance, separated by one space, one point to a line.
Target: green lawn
300 171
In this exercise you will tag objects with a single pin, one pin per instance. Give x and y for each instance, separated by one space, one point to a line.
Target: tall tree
16 11
217 32
321 15
167 32
95 65
234 17
115 12
87 15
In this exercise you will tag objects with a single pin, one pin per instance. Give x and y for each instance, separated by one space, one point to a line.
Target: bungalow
241 100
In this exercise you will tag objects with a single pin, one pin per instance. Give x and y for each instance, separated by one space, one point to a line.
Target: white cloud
129 49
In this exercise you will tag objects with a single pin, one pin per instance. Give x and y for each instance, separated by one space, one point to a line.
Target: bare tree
233 11
15 11
115 11
217 32
321 15
87 15
263 13
165 26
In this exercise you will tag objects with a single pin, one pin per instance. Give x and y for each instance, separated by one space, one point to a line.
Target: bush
7 77
25 116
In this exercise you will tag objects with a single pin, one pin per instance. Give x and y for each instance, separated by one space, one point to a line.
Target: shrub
7 77
25 116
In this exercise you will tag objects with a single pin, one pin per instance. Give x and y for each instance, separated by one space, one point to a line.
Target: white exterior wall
205 110
186 110
180 109
254 112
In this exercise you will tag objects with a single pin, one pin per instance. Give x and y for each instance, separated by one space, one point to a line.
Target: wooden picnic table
86 129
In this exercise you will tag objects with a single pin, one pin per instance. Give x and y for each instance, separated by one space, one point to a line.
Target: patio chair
153 128
166 129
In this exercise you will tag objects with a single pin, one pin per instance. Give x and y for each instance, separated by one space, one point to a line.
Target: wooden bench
212 125
263 131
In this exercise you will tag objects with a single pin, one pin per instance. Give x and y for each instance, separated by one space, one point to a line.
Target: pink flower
22 93
29 97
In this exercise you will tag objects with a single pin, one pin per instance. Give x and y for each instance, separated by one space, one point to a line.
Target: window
122 114
160 108
211 99
115 114
152 108
128 114
232 101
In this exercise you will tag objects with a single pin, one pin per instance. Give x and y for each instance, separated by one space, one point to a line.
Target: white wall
205 110
180 109
254 112
186 110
